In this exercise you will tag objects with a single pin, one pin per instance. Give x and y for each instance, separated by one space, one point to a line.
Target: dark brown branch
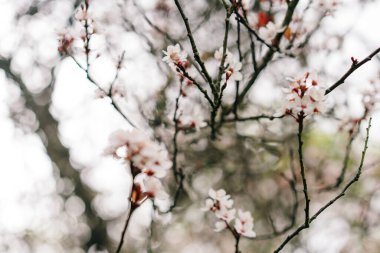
253 118
193 45
243 21
302 167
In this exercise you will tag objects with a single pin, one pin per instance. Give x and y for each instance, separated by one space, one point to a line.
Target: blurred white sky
27 185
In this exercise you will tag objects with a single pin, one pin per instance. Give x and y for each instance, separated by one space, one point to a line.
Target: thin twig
253 118
354 66
121 242
302 167
332 201
193 44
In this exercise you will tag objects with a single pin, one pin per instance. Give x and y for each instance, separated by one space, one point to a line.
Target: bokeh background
59 193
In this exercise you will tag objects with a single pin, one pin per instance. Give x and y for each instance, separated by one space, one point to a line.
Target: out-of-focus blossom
146 155
154 188
118 91
269 32
328 4
65 42
174 57
226 214
246 4
220 226
191 118
232 66
233 71
244 224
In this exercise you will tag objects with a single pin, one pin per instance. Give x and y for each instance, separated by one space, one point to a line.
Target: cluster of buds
232 67
88 25
221 205
304 97
64 43
149 162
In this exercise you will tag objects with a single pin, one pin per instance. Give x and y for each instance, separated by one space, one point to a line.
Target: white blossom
244 224
269 32
154 188
174 56
231 65
226 214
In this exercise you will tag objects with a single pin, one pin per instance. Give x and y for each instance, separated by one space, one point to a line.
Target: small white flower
117 139
244 224
209 205
233 67
191 118
174 56
233 71
221 196
219 54
269 32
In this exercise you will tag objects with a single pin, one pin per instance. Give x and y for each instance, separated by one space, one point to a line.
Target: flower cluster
232 67
148 160
174 57
221 205
304 97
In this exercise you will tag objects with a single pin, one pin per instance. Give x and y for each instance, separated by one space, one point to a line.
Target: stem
193 45
133 208
300 154
237 240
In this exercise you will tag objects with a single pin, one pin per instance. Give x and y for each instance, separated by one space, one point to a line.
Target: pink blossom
174 56
244 224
